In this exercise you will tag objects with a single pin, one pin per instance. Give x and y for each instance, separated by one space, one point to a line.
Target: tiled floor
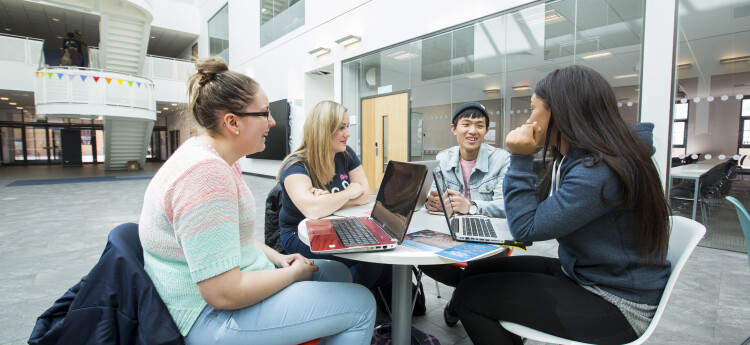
51 235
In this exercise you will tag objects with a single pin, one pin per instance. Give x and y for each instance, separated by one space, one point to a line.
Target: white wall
281 66
713 127
176 15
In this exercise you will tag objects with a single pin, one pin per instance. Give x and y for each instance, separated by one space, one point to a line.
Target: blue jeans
369 274
329 306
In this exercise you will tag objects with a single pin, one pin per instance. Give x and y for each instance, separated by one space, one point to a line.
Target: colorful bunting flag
130 82
96 79
50 75
83 77
119 81
71 76
139 83
59 76
108 80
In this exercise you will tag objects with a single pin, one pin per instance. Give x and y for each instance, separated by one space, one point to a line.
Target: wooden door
385 134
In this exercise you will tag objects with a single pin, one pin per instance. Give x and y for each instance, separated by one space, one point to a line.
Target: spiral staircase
115 91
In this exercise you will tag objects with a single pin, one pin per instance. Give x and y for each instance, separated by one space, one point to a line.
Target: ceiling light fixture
476 75
597 55
19 108
735 59
7 29
494 90
626 76
4 98
520 87
153 36
319 51
263 10
684 66
55 20
351 39
165 108
174 104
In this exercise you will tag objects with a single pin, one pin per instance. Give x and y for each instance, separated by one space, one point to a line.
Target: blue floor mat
77 180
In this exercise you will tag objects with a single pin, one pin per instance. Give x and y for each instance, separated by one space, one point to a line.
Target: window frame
685 121
740 144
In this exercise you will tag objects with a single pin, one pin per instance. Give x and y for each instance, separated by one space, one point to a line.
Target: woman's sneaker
449 314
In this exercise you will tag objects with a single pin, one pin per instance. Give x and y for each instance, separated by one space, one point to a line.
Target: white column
657 83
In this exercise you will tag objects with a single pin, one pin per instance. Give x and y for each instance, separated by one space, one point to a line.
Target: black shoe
449 315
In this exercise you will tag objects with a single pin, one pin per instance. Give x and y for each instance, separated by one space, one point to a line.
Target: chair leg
437 288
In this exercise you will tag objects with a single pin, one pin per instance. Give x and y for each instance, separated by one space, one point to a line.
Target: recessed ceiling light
60 37
263 10
626 76
521 87
158 111
174 104
7 29
165 108
55 20
598 55
19 108
153 36
12 103
4 98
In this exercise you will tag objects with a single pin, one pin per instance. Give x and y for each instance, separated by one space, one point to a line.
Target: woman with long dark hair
600 198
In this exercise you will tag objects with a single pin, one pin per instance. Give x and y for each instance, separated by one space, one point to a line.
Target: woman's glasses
261 114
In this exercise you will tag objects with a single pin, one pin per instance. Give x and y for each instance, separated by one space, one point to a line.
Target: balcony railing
20 49
155 67
94 88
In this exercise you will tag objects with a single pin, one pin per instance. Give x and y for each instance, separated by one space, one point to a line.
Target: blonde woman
320 177
220 284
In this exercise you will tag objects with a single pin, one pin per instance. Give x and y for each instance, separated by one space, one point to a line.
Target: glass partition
497 63
711 117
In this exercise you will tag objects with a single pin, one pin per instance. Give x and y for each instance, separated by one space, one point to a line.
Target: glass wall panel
497 63
218 34
280 17
713 78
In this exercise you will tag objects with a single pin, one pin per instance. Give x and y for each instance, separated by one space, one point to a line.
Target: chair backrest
126 237
685 235
744 217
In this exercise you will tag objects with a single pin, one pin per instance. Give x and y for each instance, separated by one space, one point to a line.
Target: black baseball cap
470 106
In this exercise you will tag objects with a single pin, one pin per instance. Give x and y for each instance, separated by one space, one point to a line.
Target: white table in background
402 258
694 172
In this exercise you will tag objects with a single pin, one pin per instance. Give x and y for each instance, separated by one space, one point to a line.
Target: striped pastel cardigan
196 223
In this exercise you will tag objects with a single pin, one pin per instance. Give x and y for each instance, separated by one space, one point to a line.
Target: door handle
376 148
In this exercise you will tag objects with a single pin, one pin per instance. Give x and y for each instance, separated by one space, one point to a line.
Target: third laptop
388 222
475 228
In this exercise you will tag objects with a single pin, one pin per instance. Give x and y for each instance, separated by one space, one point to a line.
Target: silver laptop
473 228
427 185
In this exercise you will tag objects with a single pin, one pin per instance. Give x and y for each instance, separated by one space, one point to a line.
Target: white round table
402 258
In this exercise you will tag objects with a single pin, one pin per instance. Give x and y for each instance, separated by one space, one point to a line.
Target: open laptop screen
442 192
397 197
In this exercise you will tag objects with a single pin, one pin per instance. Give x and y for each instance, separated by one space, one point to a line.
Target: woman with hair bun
220 284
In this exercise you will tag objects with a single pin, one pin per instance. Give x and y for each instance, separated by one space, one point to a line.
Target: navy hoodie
593 248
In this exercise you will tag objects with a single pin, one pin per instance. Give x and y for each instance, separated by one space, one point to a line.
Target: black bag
416 291
382 336
273 206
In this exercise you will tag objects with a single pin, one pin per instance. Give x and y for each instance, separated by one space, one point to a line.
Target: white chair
685 236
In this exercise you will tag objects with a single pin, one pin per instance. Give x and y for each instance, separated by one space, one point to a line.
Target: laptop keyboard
352 232
480 227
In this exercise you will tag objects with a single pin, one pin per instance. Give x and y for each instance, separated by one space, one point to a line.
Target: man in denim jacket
482 166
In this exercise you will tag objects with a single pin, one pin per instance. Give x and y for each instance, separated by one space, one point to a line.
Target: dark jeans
533 291
367 274
451 275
